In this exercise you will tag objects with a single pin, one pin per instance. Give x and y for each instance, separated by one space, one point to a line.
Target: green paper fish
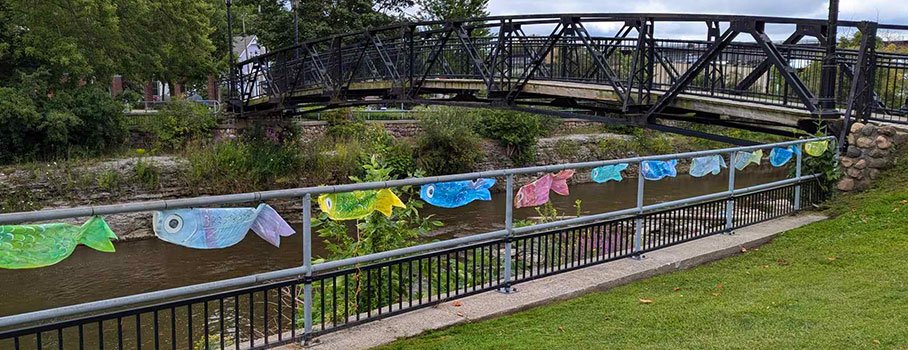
358 204
32 246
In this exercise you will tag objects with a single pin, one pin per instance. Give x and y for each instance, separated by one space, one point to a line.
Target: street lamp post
830 62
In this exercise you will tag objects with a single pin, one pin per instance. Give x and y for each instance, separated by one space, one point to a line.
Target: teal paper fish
702 166
608 173
33 246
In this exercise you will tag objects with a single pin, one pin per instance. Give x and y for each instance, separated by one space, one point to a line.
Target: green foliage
146 174
79 121
375 233
447 144
180 121
109 181
400 157
245 166
19 125
517 131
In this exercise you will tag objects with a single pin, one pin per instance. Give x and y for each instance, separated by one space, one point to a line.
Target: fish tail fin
386 202
484 184
559 182
96 234
270 226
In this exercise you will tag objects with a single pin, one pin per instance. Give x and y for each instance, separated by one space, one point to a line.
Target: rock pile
871 149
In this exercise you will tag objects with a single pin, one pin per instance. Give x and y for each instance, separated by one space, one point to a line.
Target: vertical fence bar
509 227
307 266
730 204
797 195
638 222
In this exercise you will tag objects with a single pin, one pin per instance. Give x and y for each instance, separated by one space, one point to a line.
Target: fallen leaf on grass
781 262
743 249
719 286
646 301
457 303
676 289
831 258
877 342
560 328
715 294
904 201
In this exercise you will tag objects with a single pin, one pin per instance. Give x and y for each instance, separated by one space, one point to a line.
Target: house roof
240 43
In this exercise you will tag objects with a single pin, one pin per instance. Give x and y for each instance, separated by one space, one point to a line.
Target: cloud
883 11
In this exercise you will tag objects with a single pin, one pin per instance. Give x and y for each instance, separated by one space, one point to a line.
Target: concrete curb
559 287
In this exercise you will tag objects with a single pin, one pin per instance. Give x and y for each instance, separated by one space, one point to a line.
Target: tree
445 10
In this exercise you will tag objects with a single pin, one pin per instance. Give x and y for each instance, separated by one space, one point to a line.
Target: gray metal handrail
308 269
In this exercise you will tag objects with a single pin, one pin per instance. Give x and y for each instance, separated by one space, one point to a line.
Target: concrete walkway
558 287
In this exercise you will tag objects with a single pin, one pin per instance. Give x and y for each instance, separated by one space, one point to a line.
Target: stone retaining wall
872 148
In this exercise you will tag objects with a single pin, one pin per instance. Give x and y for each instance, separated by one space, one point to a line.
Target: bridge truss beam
632 72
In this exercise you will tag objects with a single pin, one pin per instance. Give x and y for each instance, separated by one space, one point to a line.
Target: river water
150 265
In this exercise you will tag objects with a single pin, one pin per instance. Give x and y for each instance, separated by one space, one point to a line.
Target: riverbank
37 186
832 284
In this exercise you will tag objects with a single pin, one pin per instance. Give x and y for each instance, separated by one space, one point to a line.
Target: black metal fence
272 314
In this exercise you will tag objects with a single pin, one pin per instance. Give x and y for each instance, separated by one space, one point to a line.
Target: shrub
146 174
84 120
516 131
399 157
179 121
102 126
19 125
448 144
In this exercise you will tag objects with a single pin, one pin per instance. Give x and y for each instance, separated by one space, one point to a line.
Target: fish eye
430 191
173 223
329 203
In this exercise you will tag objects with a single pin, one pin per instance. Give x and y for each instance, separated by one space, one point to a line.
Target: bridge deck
720 104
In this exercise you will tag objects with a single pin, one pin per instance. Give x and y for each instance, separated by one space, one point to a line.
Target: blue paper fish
609 173
219 228
654 170
700 167
781 155
456 194
743 159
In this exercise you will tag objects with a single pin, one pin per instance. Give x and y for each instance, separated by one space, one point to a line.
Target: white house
244 48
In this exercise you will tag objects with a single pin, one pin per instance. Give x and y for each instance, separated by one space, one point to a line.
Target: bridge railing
393 63
278 307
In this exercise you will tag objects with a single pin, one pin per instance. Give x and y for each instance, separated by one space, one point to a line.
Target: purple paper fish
536 193
219 228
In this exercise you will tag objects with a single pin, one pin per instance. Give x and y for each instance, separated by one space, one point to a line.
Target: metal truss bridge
736 76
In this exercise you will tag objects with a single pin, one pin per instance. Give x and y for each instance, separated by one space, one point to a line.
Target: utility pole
232 78
830 62
295 4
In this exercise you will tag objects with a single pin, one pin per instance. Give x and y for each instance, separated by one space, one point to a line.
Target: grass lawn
836 284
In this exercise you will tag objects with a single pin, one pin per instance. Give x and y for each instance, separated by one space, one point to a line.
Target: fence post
307 266
730 204
638 222
509 227
797 199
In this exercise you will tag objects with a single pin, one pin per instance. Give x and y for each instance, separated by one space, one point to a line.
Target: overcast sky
883 11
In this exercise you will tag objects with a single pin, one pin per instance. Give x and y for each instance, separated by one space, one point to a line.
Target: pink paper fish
536 193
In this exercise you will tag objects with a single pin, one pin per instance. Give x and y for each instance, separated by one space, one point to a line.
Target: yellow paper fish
816 148
358 204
